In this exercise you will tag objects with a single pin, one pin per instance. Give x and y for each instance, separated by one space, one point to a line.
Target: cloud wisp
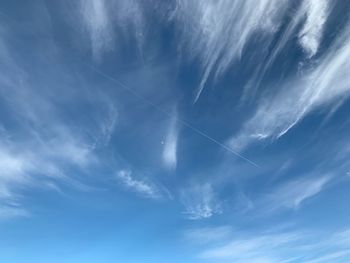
217 32
253 249
106 30
273 246
324 86
292 194
141 187
310 35
170 143
39 142
200 202
98 23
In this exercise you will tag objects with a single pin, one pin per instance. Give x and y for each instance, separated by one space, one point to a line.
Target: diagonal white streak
181 121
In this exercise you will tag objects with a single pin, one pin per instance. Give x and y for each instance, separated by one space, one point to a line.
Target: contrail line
185 123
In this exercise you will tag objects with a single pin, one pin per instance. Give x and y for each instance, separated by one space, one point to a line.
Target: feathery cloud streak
144 188
170 143
218 31
37 142
310 35
278 246
293 194
107 30
200 202
96 18
324 85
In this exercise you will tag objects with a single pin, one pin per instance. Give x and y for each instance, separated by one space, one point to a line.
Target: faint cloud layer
274 246
324 86
292 194
38 143
217 32
170 143
139 186
109 22
310 35
99 25
200 202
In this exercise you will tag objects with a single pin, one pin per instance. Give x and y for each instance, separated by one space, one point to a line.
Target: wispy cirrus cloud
275 245
217 32
170 143
99 25
39 143
310 35
252 249
106 29
200 202
339 255
292 194
323 86
312 16
141 187
10 211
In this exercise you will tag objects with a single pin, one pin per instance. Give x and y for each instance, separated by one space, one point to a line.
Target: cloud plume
217 32
325 85
170 144
139 186
200 202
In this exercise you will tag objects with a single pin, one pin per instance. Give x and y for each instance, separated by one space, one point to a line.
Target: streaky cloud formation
170 143
106 29
8 212
99 25
255 249
139 186
40 145
312 15
216 32
175 131
321 87
293 194
200 202
331 257
278 245
310 35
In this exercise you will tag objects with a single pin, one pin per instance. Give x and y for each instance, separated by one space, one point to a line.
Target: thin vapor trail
179 120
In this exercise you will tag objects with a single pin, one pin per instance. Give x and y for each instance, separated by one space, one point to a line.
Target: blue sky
175 131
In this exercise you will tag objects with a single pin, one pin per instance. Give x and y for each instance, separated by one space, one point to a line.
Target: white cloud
341 238
7 212
25 162
252 249
310 35
170 144
109 23
13 173
44 143
323 86
330 257
140 186
277 246
108 126
200 202
312 14
99 25
216 32
292 194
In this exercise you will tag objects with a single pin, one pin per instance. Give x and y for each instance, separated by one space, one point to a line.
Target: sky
212 131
